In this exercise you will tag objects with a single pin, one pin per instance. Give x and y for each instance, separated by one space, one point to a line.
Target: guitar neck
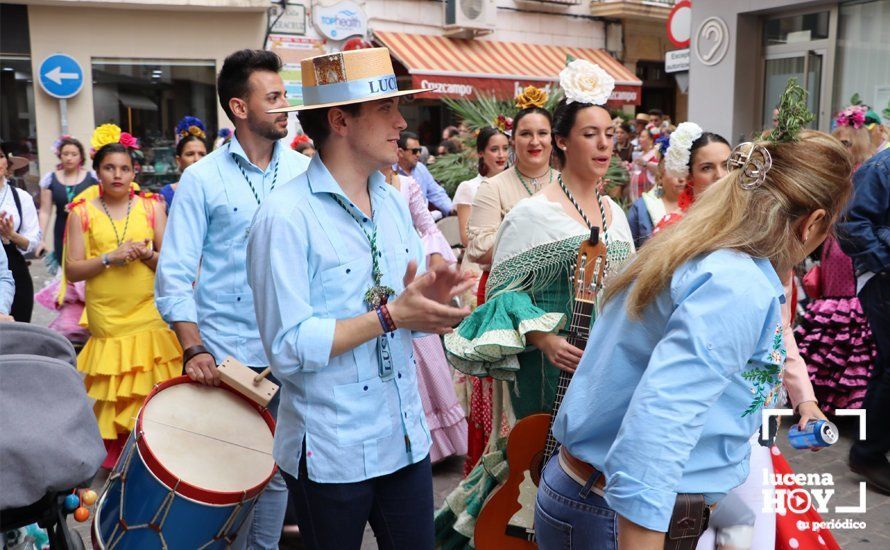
579 331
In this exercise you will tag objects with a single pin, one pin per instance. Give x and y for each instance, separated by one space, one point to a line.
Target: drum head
208 437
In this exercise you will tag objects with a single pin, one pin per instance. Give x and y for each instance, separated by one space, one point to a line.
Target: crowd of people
395 348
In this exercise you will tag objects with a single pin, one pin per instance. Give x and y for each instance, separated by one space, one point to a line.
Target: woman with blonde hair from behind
688 349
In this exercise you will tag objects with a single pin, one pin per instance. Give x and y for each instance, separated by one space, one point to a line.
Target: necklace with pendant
118 237
378 294
584 217
533 182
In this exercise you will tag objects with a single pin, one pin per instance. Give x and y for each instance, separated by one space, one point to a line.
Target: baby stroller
49 440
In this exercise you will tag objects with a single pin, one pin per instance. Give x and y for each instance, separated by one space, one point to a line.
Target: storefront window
862 59
147 97
18 128
796 28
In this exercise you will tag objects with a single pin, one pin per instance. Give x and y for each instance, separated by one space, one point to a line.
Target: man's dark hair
405 136
656 112
232 80
315 122
451 132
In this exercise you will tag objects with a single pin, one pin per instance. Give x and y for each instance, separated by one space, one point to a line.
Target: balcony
636 10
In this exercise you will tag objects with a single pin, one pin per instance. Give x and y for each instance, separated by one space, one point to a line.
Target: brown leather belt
581 470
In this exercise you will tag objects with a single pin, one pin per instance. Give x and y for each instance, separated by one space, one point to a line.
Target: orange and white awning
462 68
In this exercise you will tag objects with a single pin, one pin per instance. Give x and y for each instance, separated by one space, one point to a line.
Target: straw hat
642 117
349 77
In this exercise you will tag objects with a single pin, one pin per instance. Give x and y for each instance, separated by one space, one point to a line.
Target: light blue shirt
310 265
658 404
205 243
7 285
433 192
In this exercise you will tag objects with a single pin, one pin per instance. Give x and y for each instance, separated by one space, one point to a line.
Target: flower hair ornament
504 124
531 96
111 133
852 116
586 82
190 126
57 145
676 160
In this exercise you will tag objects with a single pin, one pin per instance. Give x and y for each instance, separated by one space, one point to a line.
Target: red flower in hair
129 141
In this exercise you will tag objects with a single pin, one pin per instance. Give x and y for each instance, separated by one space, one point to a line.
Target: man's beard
266 129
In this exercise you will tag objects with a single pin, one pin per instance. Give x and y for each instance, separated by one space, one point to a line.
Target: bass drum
191 472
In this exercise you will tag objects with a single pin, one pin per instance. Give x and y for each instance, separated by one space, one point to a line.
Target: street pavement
833 460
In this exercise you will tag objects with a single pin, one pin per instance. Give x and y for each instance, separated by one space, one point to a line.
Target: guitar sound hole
536 468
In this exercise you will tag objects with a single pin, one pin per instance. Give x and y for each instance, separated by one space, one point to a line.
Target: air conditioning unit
469 18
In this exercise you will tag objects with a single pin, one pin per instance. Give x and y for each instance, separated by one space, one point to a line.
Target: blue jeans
399 507
267 517
570 516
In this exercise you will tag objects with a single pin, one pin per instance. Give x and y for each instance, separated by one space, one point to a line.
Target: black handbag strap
18 203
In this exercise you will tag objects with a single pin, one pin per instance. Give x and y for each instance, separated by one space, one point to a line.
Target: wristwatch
105 261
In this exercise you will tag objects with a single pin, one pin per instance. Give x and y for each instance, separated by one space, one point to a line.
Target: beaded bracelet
385 319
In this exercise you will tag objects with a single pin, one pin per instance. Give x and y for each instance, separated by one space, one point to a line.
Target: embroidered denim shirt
661 404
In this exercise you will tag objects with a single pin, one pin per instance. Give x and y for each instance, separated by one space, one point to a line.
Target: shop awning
135 101
462 68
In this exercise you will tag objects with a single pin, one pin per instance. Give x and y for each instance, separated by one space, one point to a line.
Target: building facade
147 63
743 53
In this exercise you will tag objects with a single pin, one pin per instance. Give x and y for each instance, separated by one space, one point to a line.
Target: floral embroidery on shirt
767 380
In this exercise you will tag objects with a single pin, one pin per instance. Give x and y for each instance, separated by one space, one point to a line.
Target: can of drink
818 433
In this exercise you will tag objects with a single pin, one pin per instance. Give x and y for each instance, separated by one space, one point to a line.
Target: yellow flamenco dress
131 348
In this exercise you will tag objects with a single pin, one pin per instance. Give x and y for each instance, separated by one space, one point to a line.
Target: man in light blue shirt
201 283
332 259
7 289
408 165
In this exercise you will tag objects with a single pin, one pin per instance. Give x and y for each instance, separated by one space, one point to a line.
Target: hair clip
754 161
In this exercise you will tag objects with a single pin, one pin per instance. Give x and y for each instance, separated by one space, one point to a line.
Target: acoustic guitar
506 521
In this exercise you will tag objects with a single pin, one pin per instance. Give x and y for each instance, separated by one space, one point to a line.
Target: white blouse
30 226
466 191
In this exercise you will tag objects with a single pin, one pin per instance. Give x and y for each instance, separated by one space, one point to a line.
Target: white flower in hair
676 160
586 82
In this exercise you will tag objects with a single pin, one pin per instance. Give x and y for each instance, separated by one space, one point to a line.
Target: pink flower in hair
853 116
129 141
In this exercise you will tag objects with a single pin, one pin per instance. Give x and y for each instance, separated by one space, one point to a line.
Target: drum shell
142 501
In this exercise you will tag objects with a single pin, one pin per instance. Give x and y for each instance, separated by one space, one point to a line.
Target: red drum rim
188 490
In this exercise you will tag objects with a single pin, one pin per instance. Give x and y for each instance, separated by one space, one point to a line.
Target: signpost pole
63 115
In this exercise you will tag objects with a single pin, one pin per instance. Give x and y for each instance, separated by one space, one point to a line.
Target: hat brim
17 163
297 108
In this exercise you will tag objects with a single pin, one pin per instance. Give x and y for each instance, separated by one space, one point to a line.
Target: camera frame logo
798 493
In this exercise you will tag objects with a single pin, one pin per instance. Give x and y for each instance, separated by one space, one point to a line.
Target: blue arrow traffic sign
61 76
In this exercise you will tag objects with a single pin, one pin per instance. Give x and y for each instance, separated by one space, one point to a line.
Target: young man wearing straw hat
334 263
